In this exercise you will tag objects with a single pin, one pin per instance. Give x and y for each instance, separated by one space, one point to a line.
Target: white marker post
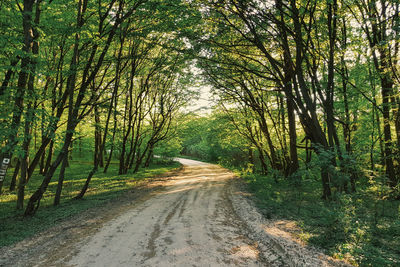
3 168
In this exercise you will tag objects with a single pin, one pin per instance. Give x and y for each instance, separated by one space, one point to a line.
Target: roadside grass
103 188
362 227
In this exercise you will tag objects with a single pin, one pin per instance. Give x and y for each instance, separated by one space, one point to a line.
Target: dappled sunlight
179 190
246 251
68 182
200 177
189 180
8 198
275 231
187 185
180 251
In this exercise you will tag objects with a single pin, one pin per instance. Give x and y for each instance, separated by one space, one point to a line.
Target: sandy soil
195 217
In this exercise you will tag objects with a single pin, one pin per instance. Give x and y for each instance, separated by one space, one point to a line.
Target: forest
305 107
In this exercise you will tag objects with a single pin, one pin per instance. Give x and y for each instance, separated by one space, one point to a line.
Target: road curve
189 223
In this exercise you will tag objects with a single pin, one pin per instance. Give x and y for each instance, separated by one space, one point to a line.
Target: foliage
361 228
169 149
212 139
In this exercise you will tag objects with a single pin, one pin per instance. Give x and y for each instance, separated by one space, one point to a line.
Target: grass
363 227
103 188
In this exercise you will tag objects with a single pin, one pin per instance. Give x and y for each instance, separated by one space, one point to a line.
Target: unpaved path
198 218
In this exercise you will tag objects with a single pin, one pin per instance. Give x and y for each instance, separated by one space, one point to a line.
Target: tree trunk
21 183
113 135
49 157
42 162
87 182
8 75
386 92
34 200
30 116
97 133
61 176
294 160
149 157
15 176
25 158
127 126
274 160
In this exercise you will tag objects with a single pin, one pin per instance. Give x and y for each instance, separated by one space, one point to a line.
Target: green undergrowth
103 188
363 227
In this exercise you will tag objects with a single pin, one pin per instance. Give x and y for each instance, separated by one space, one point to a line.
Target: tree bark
294 160
61 176
15 176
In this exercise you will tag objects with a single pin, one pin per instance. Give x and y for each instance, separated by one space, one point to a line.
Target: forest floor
197 216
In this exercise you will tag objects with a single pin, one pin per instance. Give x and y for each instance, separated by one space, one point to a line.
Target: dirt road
190 223
198 218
